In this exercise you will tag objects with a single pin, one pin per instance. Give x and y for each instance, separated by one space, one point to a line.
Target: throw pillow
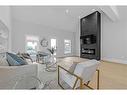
11 61
20 55
14 60
3 61
73 66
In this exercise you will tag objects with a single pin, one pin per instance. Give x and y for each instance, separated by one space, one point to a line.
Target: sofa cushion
3 61
14 60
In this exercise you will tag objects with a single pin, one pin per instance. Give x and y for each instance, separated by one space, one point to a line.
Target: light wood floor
112 75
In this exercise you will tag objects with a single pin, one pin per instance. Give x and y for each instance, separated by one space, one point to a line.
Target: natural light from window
32 46
53 44
67 46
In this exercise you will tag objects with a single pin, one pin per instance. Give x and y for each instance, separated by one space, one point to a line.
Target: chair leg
88 86
58 76
76 83
98 80
88 82
60 84
59 79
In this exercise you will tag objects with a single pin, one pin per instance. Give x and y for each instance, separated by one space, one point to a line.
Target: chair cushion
14 60
86 69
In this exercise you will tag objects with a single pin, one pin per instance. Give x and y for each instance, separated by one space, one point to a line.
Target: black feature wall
90 36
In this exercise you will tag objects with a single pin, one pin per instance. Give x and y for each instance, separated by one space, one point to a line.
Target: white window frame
70 46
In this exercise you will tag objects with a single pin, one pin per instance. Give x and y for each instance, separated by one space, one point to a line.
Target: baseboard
115 60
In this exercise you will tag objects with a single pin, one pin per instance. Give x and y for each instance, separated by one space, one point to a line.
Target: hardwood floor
112 75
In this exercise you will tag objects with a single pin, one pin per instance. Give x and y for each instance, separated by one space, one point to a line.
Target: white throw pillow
3 62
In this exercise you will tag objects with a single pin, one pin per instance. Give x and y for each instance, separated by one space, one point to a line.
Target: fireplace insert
88 51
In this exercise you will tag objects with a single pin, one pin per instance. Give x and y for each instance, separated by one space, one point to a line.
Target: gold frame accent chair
82 75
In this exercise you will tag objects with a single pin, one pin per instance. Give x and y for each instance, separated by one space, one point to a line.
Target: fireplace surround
90 36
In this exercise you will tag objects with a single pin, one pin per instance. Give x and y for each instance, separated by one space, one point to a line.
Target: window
32 44
31 47
53 44
67 46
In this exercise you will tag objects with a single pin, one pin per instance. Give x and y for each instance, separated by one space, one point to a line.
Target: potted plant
52 51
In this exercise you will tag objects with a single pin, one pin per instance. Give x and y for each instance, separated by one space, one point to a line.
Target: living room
52 34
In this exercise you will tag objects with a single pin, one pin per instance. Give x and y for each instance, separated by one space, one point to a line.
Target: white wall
5 16
114 38
21 29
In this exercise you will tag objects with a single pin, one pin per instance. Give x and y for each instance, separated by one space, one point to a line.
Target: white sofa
9 75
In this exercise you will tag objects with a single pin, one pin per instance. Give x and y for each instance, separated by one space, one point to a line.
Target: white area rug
53 84
50 78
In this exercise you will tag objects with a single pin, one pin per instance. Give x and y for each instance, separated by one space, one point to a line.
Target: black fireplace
90 36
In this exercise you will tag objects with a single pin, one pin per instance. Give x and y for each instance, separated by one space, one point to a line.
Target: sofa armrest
24 69
10 74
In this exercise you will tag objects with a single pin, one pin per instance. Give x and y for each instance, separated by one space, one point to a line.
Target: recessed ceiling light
66 10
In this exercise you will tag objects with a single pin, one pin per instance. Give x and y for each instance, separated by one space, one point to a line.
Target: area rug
53 84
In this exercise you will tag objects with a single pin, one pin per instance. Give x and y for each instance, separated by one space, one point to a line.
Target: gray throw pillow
11 61
14 60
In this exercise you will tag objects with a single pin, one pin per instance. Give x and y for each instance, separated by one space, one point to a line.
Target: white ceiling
52 16
60 17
